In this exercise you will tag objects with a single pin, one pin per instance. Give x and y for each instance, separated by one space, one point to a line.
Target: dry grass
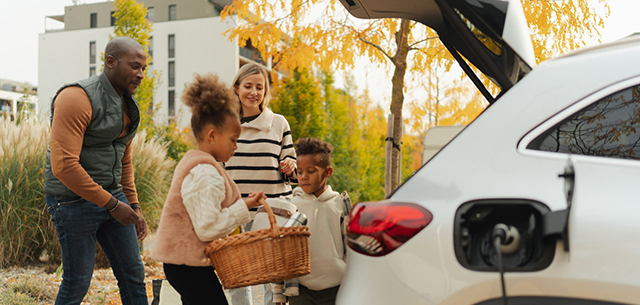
153 173
32 285
26 232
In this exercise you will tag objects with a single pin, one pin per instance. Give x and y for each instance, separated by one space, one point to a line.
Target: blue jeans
79 224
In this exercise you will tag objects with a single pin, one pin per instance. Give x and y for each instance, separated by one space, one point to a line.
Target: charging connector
510 238
506 240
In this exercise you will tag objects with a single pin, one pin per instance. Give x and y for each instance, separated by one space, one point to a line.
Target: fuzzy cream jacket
202 205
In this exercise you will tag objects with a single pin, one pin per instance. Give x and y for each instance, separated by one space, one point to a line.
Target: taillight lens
378 228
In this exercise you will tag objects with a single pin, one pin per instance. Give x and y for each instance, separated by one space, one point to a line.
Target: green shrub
178 141
26 231
33 288
10 297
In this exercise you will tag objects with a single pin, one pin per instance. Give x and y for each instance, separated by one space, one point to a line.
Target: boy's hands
287 166
253 199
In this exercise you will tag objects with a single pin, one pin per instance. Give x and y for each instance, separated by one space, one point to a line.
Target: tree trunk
397 99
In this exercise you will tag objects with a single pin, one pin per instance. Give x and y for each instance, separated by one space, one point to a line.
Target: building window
92 52
151 13
172 74
251 53
113 18
217 10
5 106
172 46
92 71
172 103
94 20
172 12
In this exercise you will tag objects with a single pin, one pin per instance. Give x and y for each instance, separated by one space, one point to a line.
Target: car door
600 137
491 34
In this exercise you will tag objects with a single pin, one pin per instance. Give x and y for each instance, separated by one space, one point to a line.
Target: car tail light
378 228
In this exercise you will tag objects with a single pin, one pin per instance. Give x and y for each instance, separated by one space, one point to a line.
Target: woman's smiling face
251 92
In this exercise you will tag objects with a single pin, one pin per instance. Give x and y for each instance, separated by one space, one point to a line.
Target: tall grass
153 173
26 231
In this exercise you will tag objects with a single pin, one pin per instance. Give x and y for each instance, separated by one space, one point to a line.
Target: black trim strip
527 300
289 157
501 80
474 78
286 133
287 146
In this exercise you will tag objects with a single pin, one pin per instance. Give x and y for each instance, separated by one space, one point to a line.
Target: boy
325 210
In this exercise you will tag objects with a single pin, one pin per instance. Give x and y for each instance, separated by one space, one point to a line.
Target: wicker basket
263 256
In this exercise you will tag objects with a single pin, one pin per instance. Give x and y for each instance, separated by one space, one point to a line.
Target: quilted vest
102 149
176 241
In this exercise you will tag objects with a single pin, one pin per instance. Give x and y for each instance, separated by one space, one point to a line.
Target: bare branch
377 47
411 46
294 9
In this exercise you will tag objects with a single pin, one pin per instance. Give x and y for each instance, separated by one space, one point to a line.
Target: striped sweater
255 166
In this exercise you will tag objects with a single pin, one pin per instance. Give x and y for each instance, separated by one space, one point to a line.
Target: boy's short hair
314 146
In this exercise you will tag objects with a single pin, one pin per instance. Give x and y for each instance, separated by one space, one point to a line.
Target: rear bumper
374 286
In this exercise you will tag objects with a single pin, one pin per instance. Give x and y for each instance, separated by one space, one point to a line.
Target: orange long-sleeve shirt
71 116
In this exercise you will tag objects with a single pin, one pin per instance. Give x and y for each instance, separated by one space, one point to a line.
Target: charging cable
506 239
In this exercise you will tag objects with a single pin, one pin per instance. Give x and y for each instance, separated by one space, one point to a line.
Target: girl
203 203
265 159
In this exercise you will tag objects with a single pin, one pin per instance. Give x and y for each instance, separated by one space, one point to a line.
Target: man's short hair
120 45
314 146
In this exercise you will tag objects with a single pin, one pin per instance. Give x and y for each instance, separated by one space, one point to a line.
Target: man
88 183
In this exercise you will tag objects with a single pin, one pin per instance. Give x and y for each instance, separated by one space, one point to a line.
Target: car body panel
489 160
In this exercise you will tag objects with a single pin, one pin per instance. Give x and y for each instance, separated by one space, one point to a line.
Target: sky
22 20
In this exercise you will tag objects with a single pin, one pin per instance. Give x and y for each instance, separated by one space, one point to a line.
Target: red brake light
378 228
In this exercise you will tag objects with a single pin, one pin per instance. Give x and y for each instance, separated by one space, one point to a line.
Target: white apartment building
16 97
187 38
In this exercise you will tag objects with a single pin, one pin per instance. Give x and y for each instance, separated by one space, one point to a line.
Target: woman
265 159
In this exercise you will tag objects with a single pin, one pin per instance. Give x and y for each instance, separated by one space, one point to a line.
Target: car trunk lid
491 34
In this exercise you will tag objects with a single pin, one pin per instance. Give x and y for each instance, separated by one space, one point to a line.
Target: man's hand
124 214
141 225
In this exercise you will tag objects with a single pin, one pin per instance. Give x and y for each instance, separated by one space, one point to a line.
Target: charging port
525 249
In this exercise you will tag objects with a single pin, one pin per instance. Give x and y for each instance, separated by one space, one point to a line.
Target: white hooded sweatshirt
326 245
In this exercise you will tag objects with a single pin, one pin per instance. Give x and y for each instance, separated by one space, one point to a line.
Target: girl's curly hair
211 102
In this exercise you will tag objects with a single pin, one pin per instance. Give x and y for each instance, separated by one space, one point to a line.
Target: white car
535 202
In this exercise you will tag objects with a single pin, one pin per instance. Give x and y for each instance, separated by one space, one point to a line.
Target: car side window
609 127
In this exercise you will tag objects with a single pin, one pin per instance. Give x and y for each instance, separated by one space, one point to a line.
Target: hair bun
208 95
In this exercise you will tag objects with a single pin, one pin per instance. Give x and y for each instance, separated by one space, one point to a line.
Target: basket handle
275 232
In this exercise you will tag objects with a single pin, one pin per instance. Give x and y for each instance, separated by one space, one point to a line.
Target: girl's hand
287 166
253 199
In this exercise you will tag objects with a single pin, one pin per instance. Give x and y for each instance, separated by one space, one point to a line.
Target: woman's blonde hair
252 69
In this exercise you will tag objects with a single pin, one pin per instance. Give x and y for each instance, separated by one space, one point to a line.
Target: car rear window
609 127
